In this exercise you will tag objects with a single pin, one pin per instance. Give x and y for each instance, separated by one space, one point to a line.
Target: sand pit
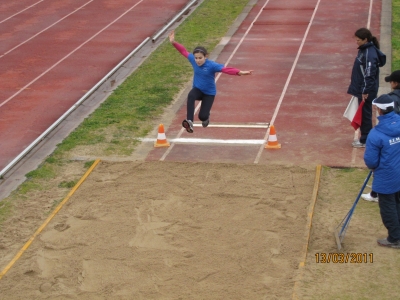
158 230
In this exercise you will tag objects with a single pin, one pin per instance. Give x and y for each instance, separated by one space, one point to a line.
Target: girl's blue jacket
365 73
382 154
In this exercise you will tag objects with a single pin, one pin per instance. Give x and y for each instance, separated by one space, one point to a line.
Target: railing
183 11
94 88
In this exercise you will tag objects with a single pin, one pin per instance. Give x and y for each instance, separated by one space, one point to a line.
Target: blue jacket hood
381 56
389 124
365 72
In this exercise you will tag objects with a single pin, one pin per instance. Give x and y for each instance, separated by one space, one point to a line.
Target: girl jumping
204 88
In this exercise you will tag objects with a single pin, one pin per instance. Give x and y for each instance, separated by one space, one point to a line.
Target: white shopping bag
351 109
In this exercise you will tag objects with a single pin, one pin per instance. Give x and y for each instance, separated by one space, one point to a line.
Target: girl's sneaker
188 125
357 144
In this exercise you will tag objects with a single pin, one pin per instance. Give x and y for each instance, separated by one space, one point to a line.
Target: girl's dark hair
200 49
364 33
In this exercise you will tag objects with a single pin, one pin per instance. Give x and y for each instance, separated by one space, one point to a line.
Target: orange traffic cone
161 138
272 139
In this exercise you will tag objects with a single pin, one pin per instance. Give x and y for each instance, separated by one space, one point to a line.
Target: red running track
302 52
53 52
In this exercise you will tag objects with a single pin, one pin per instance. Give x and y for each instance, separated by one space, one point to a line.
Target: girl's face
360 42
200 58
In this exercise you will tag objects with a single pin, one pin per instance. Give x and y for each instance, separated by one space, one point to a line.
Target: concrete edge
386 45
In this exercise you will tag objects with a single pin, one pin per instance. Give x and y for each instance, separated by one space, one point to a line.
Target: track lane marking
288 79
68 55
12 49
261 125
208 141
21 11
369 13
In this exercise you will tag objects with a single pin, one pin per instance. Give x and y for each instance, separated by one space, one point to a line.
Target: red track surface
299 84
53 52
303 96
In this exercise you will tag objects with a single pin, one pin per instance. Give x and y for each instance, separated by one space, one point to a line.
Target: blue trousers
389 205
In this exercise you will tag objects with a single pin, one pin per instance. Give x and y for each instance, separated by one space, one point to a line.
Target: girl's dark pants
366 120
389 205
206 104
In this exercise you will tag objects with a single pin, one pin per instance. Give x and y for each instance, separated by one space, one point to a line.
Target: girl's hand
245 72
172 36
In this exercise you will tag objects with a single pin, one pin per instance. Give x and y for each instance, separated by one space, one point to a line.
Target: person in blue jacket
365 78
382 156
394 80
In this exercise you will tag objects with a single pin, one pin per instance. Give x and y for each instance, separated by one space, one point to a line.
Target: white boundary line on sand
33 36
288 79
216 79
68 55
260 125
207 141
21 11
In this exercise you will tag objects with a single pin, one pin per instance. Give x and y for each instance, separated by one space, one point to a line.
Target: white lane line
208 141
288 79
243 37
68 55
45 29
357 132
369 14
21 11
216 79
266 125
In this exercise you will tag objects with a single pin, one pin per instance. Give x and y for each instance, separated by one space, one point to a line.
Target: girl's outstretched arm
245 72
234 71
178 46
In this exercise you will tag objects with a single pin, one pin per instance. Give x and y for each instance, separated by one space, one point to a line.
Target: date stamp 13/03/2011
344 258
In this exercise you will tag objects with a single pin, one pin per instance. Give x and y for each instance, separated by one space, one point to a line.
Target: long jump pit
167 230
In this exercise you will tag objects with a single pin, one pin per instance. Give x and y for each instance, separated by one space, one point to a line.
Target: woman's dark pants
389 205
366 120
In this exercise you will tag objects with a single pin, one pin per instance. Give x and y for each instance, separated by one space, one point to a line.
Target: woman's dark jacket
365 73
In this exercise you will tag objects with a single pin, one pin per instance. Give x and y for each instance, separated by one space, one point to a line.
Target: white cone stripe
272 138
161 136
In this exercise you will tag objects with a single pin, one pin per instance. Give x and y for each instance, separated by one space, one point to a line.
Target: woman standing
365 78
